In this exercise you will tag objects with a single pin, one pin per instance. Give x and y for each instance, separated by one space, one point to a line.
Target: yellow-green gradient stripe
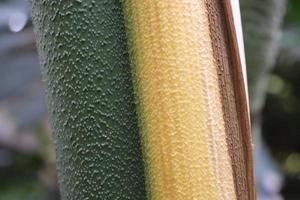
179 103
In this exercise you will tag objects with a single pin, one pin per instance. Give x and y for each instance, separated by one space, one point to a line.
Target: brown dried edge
233 94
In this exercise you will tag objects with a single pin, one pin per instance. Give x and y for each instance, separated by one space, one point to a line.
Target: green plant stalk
87 77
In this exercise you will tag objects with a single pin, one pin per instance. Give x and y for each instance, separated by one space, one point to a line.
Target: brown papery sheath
233 94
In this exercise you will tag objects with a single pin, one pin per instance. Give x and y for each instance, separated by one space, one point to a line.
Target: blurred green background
27 161
281 113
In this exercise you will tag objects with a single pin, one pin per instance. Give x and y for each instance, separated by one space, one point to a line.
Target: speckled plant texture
157 111
90 98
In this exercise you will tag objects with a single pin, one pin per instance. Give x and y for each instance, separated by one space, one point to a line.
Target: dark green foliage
293 14
86 71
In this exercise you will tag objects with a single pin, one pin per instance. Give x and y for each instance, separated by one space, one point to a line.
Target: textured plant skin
90 98
180 111
192 106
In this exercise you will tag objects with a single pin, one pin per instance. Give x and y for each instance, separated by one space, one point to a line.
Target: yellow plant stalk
179 101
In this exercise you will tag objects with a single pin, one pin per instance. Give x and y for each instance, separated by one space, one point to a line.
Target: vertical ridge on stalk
233 94
184 108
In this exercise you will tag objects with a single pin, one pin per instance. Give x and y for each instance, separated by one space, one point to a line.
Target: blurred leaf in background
27 163
281 115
